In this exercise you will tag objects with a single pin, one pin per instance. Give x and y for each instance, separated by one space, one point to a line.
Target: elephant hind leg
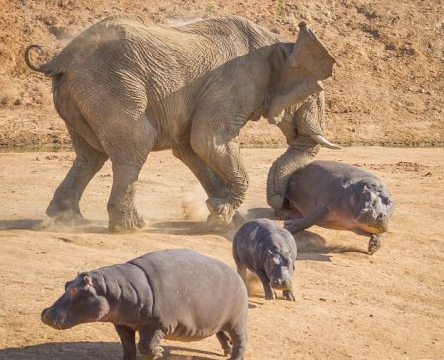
128 144
64 205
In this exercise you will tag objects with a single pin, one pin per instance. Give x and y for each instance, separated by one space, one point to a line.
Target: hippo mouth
280 285
372 223
377 228
56 320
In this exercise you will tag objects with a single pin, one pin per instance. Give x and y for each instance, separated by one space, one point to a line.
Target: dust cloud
193 204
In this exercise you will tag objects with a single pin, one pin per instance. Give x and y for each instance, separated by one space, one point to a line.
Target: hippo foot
128 222
288 295
156 353
374 244
221 214
225 342
270 295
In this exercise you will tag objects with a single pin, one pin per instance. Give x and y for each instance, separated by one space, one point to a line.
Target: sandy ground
349 304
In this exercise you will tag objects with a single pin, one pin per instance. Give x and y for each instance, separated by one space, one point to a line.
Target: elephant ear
307 65
311 55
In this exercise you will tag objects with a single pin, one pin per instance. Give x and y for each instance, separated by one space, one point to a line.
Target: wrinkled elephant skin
127 86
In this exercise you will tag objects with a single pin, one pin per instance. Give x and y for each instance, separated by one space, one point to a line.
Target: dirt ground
349 304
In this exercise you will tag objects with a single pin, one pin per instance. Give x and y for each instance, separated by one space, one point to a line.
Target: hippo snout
280 284
55 319
373 222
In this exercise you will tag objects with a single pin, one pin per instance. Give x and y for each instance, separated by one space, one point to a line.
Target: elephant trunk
297 155
303 125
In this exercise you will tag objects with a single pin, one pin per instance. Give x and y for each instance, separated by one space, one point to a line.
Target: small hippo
338 196
173 294
267 249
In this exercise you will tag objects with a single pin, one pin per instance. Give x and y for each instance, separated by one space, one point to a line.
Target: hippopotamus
338 196
173 294
267 249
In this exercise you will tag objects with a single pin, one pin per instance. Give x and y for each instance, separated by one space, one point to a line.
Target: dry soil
348 304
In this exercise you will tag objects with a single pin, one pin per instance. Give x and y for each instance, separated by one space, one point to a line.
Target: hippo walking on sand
338 196
173 294
267 249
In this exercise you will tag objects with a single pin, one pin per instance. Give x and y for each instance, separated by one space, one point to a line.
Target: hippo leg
314 217
128 339
242 271
150 339
287 212
374 243
288 294
270 294
239 339
225 342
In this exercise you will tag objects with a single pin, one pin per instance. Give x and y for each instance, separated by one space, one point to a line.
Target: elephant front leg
210 180
225 160
123 215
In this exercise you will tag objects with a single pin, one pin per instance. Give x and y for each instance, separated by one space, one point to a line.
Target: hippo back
193 293
327 182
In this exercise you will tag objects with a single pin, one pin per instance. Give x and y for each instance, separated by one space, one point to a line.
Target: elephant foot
65 216
221 214
127 222
156 353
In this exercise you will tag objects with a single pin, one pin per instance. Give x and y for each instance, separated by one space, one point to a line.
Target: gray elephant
127 86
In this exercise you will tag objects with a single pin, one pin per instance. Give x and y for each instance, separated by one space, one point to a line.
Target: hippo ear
68 284
87 280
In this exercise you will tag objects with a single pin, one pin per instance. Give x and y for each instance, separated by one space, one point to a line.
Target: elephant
127 86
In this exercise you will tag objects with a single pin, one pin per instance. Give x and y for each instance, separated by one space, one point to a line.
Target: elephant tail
49 68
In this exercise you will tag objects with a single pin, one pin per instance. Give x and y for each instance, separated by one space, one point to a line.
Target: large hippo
267 249
338 196
173 294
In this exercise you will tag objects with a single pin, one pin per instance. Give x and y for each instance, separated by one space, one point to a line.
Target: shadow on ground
95 227
93 351
314 247
189 228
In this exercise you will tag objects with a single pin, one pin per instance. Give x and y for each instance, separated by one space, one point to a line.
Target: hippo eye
73 290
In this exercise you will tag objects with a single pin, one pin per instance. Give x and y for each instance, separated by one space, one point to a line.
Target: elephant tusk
324 142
